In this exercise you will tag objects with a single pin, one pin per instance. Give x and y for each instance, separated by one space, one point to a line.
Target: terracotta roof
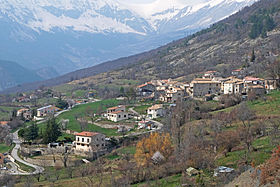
202 79
251 79
210 72
237 70
4 122
205 82
115 107
155 107
256 86
88 134
142 85
23 109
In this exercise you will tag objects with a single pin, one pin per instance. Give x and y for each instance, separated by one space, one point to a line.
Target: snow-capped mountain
72 34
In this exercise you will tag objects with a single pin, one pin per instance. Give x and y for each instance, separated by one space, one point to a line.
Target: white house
87 142
117 113
156 111
233 87
117 116
47 110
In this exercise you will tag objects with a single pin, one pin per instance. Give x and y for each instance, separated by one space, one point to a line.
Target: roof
115 107
204 82
202 79
23 109
251 79
237 70
207 72
142 85
42 108
117 112
236 81
4 122
87 134
155 107
256 86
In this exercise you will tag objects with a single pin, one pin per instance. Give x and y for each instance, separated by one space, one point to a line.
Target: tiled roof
23 109
251 79
116 107
155 107
256 86
4 122
88 134
207 72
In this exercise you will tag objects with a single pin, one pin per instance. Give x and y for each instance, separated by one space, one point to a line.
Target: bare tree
83 123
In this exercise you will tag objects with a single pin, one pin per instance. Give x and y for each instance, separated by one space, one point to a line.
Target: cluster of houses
210 84
29 114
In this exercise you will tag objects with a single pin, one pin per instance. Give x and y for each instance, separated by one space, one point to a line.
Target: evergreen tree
52 131
253 56
61 104
269 23
31 133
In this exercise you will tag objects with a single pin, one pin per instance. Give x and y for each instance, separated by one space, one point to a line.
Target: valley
203 110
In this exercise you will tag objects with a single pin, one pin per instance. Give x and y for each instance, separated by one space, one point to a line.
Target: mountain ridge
224 46
70 35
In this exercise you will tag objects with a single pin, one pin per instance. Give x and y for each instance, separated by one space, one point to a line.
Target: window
87 145
88 140
78 139
124 116
119 116
83 139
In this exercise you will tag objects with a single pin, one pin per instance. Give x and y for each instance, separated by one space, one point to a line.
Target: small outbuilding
192 171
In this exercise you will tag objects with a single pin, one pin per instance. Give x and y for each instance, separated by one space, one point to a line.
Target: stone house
117 116
145 90
257 89
233 87
117 113
156 111
271 84
201 87
44 111
88 142
26 113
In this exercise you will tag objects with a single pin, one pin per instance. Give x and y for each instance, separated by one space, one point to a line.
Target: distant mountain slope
70 35
224 46
12 74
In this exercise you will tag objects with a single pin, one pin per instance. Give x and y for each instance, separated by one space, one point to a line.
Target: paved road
14 154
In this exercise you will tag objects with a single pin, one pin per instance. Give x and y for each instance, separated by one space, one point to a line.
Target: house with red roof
88 142
145 90
117 113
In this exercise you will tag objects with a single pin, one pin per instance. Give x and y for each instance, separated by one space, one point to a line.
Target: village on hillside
101 131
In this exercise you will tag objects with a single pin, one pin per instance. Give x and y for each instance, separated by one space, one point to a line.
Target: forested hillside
250 38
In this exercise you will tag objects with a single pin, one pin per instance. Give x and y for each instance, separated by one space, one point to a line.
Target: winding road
14 154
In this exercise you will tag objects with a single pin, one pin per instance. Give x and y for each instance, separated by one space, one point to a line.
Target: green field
268 106
4 148
80 111
142 109
5 112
